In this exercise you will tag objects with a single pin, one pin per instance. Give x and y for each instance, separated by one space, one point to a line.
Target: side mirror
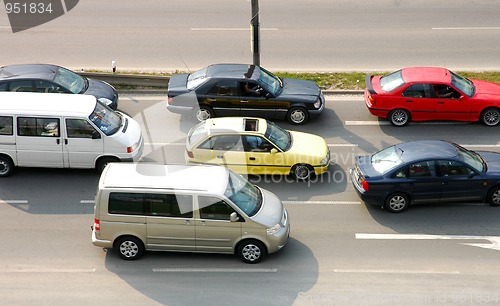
233 217
274 151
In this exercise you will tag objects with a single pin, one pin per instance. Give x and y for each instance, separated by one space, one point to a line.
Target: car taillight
365 186
372 100
189 154
97 224
170 100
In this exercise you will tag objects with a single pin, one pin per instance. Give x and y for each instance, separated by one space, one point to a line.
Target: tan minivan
186 208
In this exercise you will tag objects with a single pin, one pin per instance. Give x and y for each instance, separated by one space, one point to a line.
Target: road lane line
467 28
87 202
15 201
395 271
45 270
215 270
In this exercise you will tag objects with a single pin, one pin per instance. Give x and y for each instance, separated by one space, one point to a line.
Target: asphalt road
341 252
320 35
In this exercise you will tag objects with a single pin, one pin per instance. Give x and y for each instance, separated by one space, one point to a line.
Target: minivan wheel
397 202
251 251
129 248
6 166
494 196
302 172
204 113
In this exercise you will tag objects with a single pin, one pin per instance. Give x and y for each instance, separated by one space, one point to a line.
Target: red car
428 93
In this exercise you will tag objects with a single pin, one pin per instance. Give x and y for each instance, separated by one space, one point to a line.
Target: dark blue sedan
427 171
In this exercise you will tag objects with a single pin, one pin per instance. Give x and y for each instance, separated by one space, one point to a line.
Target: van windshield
106 119
242 193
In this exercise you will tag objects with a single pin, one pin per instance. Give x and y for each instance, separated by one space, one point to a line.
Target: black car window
6 125
49 87
421 169
228 143
224 88
214 208
4 86
443 91
452 168
257 144
30 126
21 86
251 89
418 91
80 128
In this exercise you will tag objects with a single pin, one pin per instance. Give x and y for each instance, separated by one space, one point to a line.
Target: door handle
203 223
65 141
220 156
244 101
410 101
440 102
211 100
58 141
187 222
251 158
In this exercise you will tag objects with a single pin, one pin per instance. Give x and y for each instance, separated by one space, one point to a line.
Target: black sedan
427 171
243 90
54 79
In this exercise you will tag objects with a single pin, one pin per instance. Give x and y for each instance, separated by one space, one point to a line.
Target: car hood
492 159
177 84
300 88
310 145
271 211
100 89
486 89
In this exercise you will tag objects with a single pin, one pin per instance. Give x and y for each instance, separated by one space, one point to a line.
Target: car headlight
317 104
326 159
273 230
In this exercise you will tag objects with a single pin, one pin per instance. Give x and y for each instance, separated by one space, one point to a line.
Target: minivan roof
211 179
51 104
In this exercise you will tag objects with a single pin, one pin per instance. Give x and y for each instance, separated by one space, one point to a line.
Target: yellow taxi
256 146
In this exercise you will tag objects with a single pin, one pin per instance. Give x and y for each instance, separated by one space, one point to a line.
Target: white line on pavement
215 270
394 271
45 270
467 28
16 201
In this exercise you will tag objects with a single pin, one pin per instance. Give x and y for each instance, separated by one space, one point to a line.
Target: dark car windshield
270 82
71 81
106 119
472 158
392 81
242 193
279 136
387 159
463 84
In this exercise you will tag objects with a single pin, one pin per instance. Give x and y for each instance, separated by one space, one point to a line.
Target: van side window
6 125
30 126
170 205
79 128
126 203
154 204
214 208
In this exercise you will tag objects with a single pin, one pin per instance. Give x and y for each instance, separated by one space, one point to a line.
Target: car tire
399 117
397 202
129 248
103 162
490 116
302 172
6 166
251 251
297 115
204 113
494 196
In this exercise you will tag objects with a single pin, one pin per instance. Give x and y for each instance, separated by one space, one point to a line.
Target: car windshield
463 84
279 136
387 159
71 81
106 119
472 159
270 82
392 81
242 193
196 78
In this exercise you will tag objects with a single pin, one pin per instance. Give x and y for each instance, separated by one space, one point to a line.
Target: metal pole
254 24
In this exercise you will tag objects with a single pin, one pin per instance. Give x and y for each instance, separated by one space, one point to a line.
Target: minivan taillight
97 225
365 186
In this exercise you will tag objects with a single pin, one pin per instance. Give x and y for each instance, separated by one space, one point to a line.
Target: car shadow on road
203 279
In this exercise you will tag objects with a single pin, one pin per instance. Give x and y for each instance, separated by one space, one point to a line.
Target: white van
64 131
186 208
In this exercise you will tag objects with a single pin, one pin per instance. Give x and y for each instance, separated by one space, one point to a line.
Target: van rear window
151 204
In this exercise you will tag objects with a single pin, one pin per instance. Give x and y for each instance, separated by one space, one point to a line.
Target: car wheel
494 196
399 117
103 162
297 115
204 113
6 166
397 202
302 172
251 251
490 116
129 248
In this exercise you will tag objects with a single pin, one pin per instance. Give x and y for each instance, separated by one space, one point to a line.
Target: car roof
427 149
224 125
426 74
28 71
211 179
50 104
236 71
